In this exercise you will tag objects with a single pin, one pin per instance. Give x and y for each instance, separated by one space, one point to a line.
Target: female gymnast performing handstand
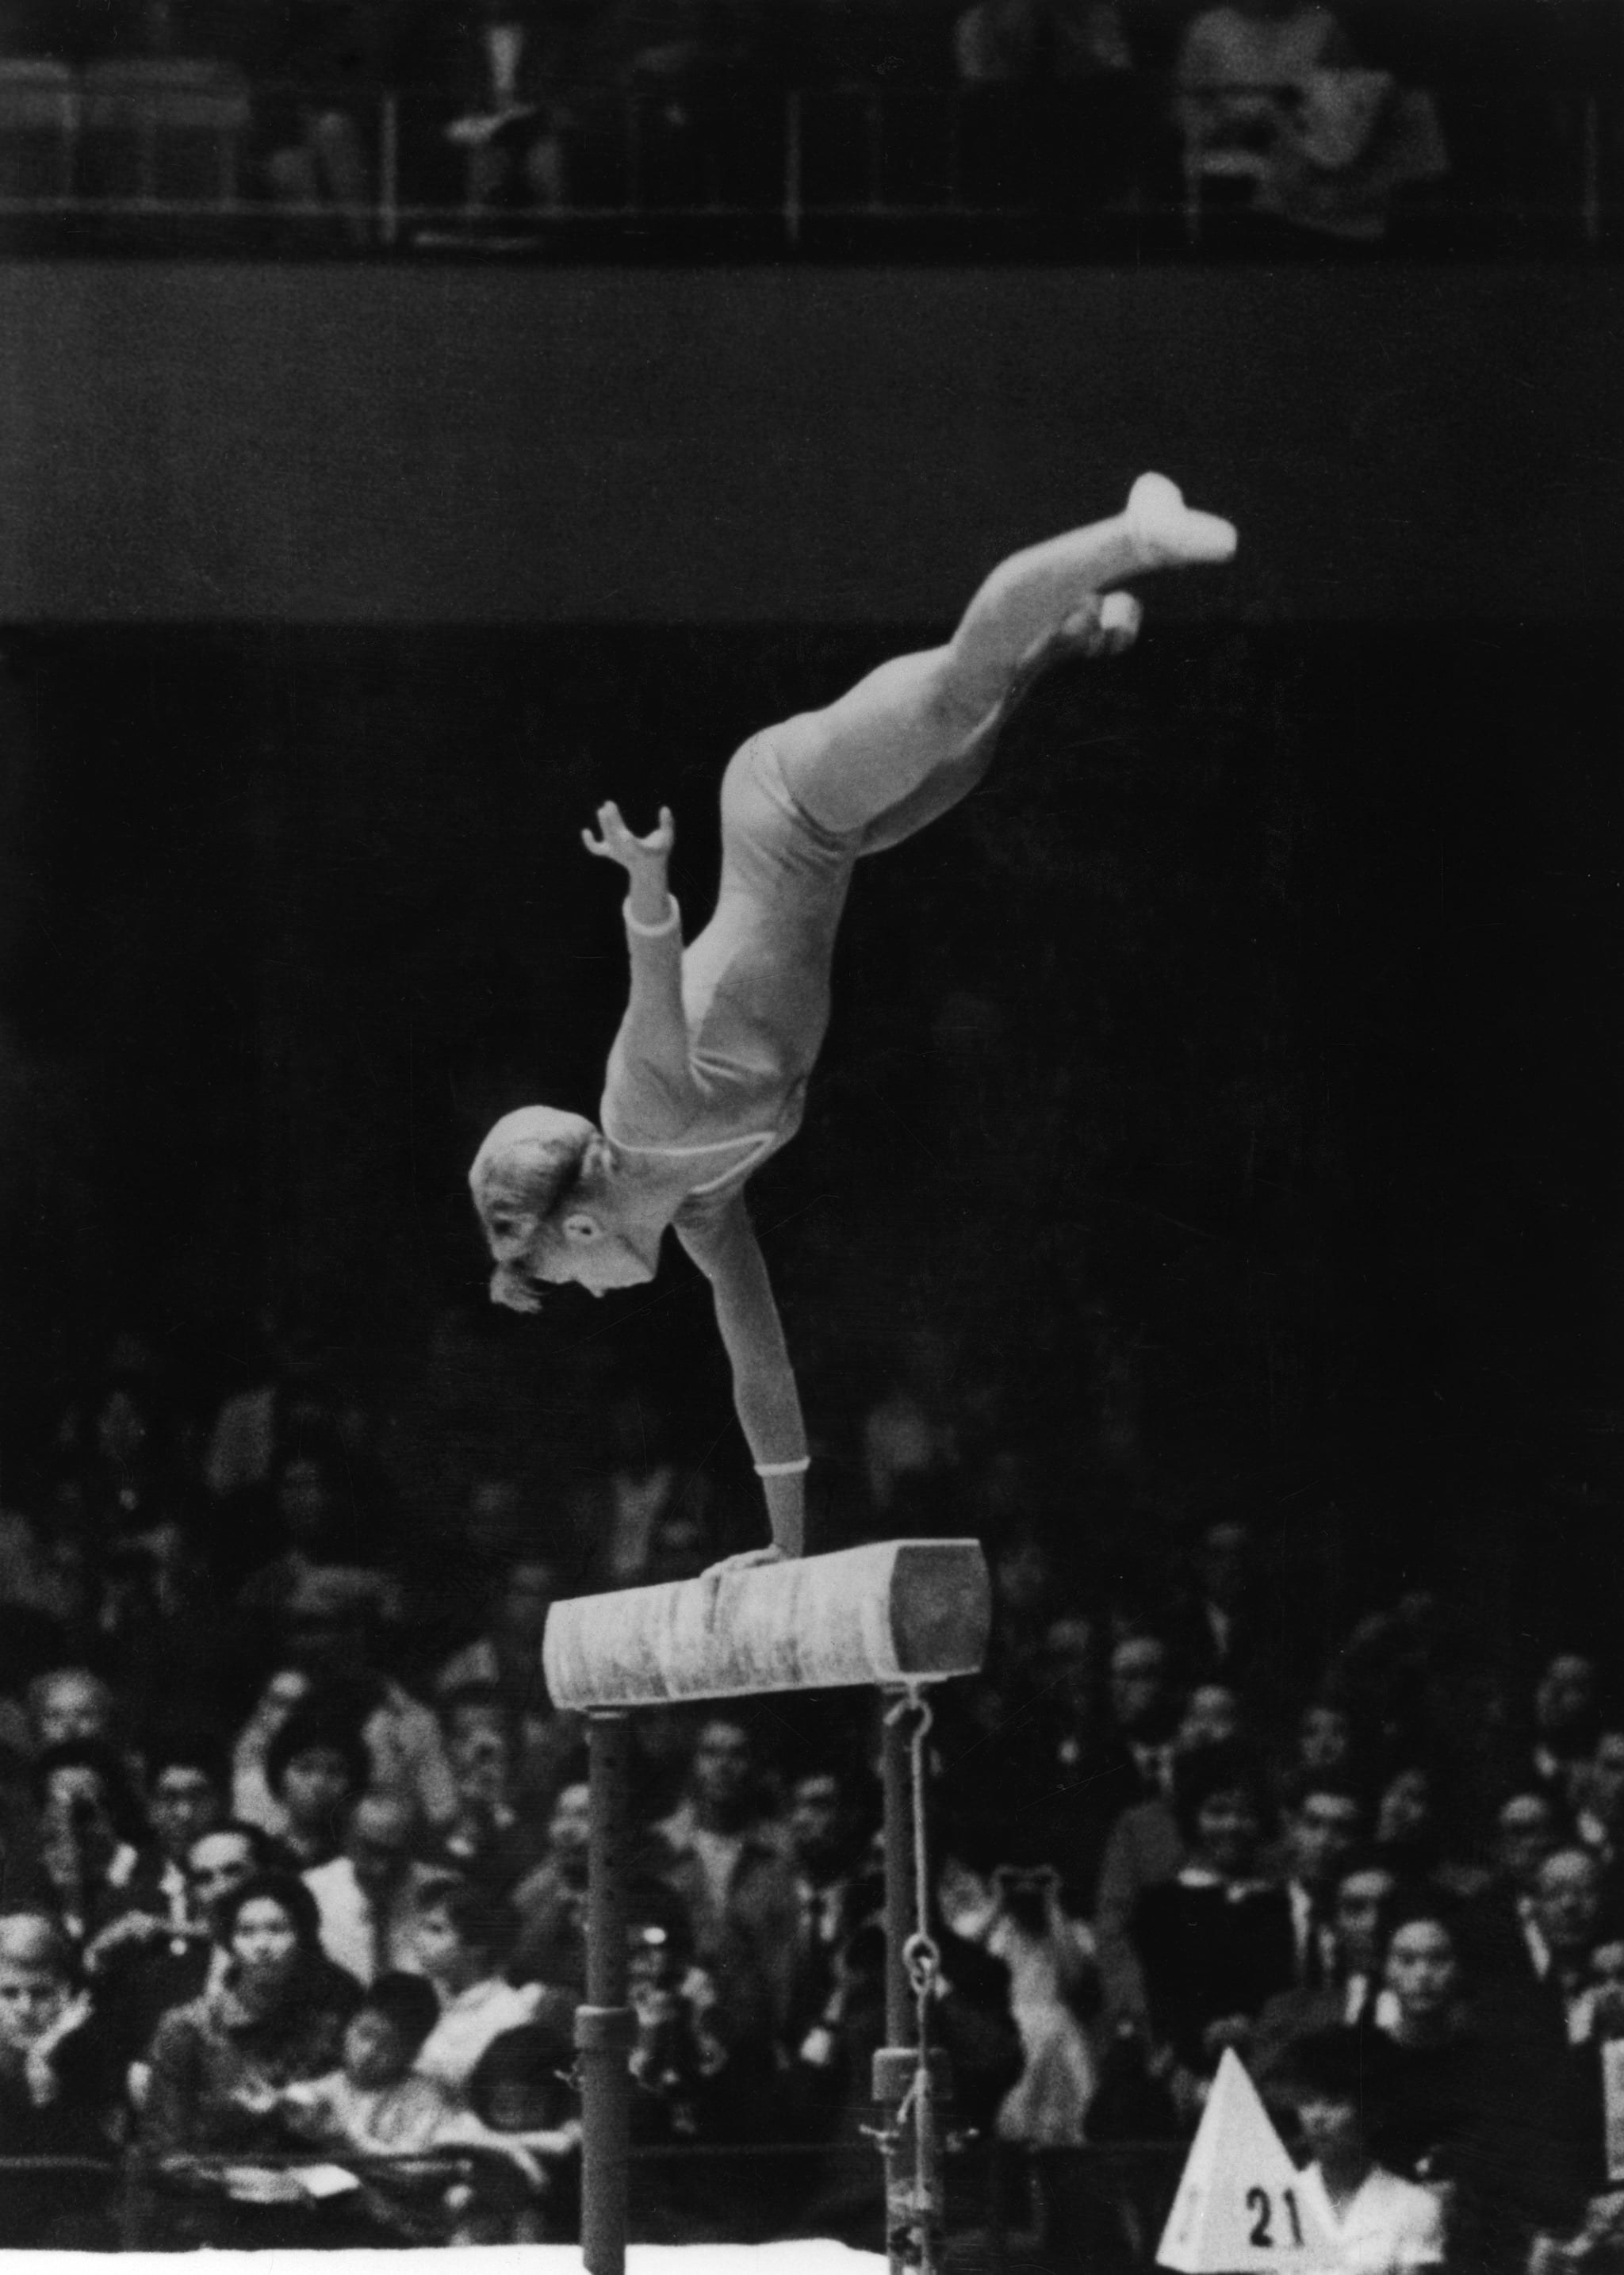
708 1075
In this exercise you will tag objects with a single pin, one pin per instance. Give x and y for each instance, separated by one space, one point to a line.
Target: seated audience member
1146 1847
550 1902
90 1828
328 1630
1495 1923
1565 1724
507 71
186 1791
1598 1790
1272 103
216 2067
139 1974
1000 42
492 1838
1383 2224
367 1896
69 1705
1325 1819
465 1938
1364 1901
723 1858
276 2014
323 73
520 2094
1054 1995
252 1800
316 1769
375 2102
694 2080
323 1535
1408 1836
57 2098
1473 2103
1216 1943
829 1828
523 2087
825 2090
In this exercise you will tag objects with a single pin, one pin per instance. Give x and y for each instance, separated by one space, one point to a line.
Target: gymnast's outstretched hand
635 855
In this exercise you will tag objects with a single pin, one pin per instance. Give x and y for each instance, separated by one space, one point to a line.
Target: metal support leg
605 2028
913 2215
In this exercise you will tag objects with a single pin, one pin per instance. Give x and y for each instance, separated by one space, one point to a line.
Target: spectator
327 1632
323 1534
1054 1994
1383 2225
322 73
140 1973
252 1800
1566 1722
375 2103
1366 1895
724 1858
276 2016
829 1829
1598 1795
71 1706
490 1839
998 41
186 1797
464 1941
316 1768
91 1837
1494 1925
55 2098
1436 2096
550 1902
368 1897
1408 1836
1216 1943
1273 107
508 71
1322 1826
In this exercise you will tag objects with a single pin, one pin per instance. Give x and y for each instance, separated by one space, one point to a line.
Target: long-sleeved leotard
708 1076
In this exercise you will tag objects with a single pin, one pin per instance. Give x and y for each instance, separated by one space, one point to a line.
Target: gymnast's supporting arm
724 1246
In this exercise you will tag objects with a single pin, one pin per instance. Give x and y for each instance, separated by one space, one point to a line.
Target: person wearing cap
1383 2225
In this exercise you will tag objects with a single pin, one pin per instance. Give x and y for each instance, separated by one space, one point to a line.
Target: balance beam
897 1612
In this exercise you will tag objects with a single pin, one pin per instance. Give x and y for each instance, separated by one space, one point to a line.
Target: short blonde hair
529 1166
530 1160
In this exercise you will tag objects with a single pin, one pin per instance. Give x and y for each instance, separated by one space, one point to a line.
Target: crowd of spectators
292 1922
1311 117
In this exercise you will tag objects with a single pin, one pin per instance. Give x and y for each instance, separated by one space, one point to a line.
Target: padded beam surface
894 1612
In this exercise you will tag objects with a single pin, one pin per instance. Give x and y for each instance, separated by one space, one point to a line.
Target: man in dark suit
1494 1925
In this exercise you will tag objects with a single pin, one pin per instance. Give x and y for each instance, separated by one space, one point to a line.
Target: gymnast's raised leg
913 737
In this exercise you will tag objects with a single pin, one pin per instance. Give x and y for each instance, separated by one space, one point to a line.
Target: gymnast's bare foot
1105 624
1170 534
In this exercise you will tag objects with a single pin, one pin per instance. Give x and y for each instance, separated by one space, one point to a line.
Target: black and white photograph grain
812 1135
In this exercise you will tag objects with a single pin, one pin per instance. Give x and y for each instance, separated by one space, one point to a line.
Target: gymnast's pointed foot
1105 624
1170 534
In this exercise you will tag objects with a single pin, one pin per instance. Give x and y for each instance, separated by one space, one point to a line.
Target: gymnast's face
591 1250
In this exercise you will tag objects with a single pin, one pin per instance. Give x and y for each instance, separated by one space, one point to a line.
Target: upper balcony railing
179 155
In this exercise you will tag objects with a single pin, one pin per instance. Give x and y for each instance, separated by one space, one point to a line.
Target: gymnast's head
543 1183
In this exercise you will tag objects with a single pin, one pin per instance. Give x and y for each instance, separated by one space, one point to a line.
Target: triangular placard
1242 2205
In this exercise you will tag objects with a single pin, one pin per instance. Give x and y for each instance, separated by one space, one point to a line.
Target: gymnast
708 1076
